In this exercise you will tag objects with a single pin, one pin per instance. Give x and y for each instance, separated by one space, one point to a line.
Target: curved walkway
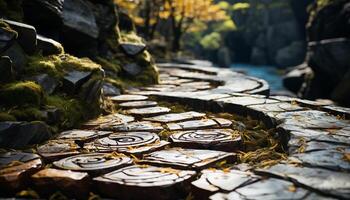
150 151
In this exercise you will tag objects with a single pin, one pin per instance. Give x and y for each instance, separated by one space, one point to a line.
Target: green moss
150 74
57 65
82 64
130 37
21 93
6 117
112 65
28 114
74 111
39 64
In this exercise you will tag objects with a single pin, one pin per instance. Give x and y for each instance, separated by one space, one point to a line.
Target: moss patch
6 117
57 65
74 111
130 37
112 65
21 93
28 114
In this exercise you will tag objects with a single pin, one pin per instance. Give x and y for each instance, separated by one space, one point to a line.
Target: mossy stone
21 93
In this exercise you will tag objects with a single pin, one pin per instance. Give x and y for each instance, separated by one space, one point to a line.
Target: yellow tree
145 14
183 13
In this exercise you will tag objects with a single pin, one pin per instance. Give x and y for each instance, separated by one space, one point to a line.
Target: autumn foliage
180 14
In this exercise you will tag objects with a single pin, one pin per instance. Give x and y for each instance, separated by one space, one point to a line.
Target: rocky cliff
270 32
327 63
59 59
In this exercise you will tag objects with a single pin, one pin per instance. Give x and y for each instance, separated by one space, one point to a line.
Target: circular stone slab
145 182
128 97
130 143
94 162
128 140
187 158
138 104
175 117
136 126
113 119
82 135
57 149
218 139
149 111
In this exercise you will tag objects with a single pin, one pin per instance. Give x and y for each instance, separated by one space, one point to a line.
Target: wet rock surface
166 143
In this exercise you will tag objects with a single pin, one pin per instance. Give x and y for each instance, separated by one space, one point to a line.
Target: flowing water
268 73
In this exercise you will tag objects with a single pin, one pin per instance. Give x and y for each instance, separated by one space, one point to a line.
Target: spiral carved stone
144 182
131 142
220 139
94 162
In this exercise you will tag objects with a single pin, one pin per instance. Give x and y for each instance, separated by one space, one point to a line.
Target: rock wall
328 61
58 61
272 32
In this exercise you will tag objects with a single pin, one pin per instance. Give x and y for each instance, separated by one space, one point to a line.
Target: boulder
52 115
7 36
132 69
6 71
330 57
332 21
47 83
25 133
79 31
73 80
17 55
48 46
26 35
132 49
106 16
295 78
291 55
110 90
79 17
45 15
91 91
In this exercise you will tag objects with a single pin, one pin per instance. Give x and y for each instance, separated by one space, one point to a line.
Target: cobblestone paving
152 151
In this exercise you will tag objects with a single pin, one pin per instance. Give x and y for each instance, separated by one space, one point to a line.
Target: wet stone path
202 133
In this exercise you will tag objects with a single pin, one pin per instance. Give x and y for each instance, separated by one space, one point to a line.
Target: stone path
150 151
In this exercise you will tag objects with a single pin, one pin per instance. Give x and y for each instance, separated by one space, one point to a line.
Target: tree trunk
176 40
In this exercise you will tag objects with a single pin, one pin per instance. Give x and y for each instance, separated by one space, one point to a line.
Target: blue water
268 73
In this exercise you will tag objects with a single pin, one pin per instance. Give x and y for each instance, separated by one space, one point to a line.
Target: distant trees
181 15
